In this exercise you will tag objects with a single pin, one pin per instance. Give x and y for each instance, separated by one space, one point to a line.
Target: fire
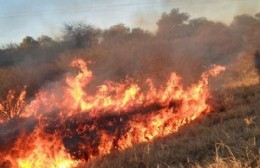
40 150
71 126
45 153
12 107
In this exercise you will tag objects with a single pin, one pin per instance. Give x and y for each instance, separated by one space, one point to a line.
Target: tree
116 34
138 33
172 24
29 42
257 15
81 35
45 41
247 28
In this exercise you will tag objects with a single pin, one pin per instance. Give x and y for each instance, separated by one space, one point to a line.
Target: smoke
186 46
180 44
146 20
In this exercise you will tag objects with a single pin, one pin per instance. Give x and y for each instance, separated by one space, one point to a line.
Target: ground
229 136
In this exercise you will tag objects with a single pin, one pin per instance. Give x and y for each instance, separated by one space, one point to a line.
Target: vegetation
186 46
227 137
13 105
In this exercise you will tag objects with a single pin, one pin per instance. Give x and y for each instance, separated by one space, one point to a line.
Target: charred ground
227 137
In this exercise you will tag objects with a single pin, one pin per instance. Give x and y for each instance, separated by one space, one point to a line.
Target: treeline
187 46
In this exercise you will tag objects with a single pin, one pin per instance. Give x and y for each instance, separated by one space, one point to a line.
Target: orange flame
134 120
40 150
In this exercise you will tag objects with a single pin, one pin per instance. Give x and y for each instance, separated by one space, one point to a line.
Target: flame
74 126
40 150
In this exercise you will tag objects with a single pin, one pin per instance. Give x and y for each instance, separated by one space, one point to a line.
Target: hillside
227 137
128 97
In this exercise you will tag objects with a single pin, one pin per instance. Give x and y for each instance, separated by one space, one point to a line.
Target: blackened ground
10 131
76 130
227 137
79 130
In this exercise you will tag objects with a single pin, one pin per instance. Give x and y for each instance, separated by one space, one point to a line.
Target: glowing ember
68 125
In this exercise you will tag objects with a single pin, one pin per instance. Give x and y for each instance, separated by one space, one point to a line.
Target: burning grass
70 126
228 137
129 123
12 106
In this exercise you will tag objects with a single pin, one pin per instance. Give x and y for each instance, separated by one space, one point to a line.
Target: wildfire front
64 126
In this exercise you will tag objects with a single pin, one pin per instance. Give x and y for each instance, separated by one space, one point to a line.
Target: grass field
229 136
41 101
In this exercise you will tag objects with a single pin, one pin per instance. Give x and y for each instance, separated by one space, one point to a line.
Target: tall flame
74 125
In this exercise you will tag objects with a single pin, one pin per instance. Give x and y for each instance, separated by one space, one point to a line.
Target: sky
20 18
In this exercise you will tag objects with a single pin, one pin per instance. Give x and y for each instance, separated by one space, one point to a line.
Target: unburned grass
229 136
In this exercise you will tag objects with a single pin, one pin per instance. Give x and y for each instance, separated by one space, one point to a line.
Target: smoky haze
43 100
181 44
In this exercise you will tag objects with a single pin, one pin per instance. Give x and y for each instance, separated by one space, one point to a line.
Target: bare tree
13 106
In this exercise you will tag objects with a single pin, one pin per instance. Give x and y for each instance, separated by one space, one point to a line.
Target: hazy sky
19 18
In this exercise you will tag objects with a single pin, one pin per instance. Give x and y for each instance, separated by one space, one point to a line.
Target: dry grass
241 72
227 137
13 105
